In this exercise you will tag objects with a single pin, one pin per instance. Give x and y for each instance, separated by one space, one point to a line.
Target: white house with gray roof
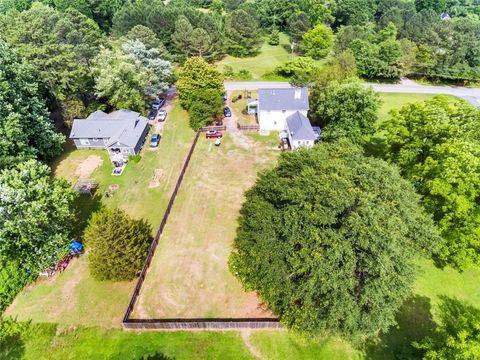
122 133
276 105
299 131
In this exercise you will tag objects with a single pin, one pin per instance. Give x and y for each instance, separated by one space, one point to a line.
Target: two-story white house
276 105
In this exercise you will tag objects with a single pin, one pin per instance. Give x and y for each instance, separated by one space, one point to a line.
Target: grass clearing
390 101
74 297
189 276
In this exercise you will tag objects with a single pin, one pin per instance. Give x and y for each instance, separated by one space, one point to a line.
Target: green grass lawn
74 297
47 341
262 66
390 101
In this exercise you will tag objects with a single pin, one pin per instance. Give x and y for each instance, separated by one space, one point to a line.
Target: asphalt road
472 95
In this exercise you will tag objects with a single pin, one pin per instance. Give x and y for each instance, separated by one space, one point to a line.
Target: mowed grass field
74 297
50 342
189 275
262 66
390 101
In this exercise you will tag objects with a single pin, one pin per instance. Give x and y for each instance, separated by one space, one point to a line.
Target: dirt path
238 137
245 333
88 166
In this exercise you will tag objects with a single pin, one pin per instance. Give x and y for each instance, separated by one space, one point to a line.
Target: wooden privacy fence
154 244
248 127
214 128
174 324
210 324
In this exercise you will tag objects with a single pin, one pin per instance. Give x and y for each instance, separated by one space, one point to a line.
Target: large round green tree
117 244
328 239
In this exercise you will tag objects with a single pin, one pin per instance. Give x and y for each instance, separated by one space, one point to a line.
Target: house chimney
298 94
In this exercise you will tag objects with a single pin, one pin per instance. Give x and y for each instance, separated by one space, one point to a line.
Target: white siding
302 143
275 120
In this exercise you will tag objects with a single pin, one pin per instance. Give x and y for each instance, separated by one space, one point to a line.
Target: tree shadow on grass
85 206
154 356
414 322
12 347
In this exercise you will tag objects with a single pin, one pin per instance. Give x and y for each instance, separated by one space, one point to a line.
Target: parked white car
162 115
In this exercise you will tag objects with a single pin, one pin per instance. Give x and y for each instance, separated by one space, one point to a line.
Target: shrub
12 281
118 245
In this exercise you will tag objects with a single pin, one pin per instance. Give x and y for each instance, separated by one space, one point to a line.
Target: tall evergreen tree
118 245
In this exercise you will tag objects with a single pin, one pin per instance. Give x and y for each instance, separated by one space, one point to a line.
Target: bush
135 158
12 281
274 38
118 245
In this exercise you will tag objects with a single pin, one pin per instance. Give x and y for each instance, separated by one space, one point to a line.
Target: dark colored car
284 144
227 112
157 104
153 114
317 131
155 140
212 134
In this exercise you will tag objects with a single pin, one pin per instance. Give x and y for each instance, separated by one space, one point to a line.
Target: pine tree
117 245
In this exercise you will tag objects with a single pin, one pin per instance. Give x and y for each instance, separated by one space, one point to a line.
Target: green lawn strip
390 101
283 345
45 341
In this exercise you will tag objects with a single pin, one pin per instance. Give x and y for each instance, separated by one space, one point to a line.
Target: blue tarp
75 246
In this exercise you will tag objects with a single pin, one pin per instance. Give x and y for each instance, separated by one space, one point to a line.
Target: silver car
162 115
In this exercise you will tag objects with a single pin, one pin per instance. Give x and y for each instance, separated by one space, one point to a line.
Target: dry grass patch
189 275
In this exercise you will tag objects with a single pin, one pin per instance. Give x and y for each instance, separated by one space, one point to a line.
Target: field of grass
49 342
74 297
265 62
189 276
390 101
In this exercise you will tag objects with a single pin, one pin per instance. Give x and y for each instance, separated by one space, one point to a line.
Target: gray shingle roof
122 126
300 128
283 99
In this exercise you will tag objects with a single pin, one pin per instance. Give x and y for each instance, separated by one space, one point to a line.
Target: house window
284 111
274 123
84 142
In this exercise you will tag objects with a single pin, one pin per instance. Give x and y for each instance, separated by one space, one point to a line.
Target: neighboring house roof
300 128
445 16
122 126
283 99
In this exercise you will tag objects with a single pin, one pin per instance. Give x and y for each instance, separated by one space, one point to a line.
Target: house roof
283 99
122 126
300 128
